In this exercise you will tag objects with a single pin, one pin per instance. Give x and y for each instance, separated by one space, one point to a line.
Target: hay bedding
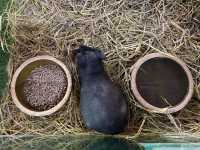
125 30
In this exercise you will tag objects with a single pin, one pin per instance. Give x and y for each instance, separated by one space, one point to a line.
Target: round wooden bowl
21 75
161 83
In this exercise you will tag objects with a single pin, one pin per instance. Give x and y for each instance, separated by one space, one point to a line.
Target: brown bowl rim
56 107
143 102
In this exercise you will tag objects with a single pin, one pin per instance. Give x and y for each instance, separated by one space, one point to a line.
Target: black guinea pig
102 104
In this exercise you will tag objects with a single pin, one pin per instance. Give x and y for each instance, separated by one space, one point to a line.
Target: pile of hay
125 30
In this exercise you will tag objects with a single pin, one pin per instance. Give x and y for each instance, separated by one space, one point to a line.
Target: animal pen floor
125 30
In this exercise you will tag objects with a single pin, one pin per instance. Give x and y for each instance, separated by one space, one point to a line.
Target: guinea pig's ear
76 51
101 55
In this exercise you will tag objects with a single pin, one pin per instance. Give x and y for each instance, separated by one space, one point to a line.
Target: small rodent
103 105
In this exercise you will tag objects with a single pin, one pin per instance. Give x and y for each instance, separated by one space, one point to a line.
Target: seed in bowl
45 87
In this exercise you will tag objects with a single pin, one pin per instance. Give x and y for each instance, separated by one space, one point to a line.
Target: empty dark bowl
162 83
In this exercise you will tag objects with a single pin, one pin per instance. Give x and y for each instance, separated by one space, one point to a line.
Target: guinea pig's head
88 56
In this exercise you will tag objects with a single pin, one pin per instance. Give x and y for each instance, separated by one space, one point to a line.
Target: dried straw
125 30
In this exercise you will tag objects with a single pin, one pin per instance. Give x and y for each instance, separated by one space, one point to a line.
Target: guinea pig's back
103 105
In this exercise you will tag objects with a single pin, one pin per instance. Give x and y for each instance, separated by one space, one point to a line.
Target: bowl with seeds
41 86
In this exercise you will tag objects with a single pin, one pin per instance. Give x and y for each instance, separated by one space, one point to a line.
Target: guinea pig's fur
102 104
